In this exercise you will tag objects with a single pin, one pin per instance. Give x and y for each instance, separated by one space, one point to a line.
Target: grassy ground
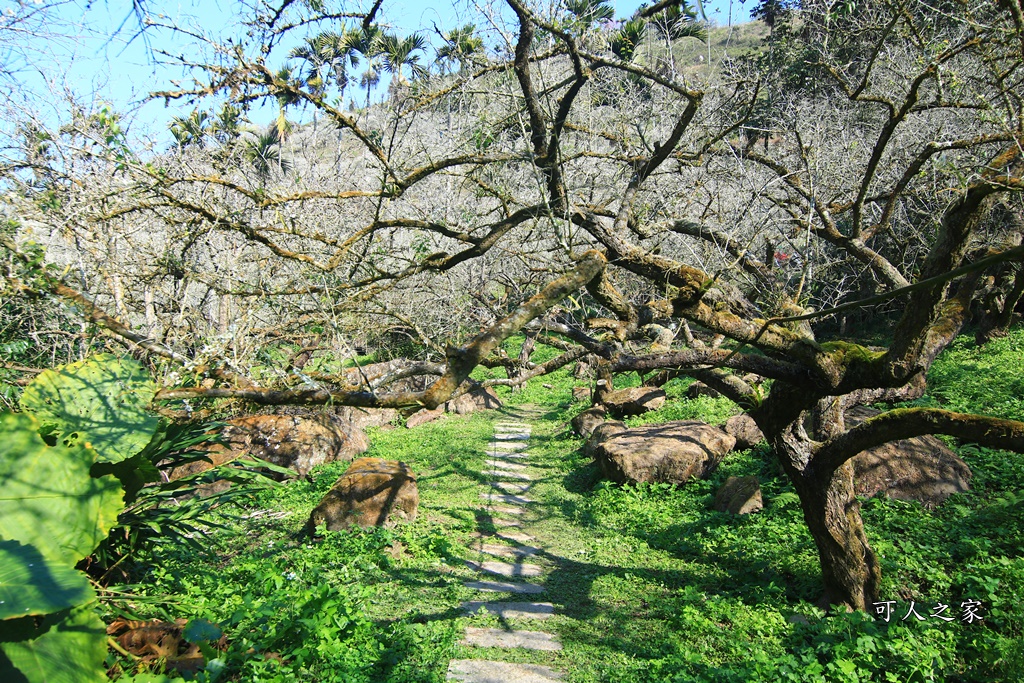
649 584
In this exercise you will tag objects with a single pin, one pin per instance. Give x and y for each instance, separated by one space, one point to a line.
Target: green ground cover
648 582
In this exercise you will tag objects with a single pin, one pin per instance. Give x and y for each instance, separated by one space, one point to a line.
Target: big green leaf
29 585
100 401
70 649
47 498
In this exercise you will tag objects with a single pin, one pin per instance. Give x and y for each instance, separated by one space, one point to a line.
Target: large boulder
583 370
698 389
586 422
671 452
217 454
633 401
362 418
299 442
373 491
600 434
378 374
922 468
739 495
480 398
424 416
744 430
296 441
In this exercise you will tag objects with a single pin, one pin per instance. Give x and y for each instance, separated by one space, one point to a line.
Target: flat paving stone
519 425
507 569
511 456
505 498
483 671
511 610
499 637
518 476
508 536
506 510
507 446
505 587
506 464
508 487
512 436
503 523
508 550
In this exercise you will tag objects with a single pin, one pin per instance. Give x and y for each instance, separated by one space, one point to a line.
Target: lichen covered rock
672 452
373 491
739 495
633 401
922 468
299 442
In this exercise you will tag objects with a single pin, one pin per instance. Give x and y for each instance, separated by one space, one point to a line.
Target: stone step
512 436
506 569
483 671
518 476
520 425
508 455
506 465
504 523
499 637
508 550
506 535
508 487
505 510
504 498
511 610
505 587
508 446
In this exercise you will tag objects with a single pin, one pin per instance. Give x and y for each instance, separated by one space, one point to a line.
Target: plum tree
554 160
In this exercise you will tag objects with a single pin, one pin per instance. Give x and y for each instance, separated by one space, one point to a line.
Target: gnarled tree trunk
849 567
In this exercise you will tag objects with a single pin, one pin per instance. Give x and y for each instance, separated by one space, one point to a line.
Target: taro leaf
30 585
100 401
47 498
70 649
133 473
201 631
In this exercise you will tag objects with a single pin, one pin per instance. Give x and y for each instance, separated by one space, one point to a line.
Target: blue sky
122 71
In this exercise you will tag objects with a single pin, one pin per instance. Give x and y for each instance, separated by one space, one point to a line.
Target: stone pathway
502 566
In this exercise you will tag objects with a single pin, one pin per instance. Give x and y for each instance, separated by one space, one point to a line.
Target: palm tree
264 152
591 12
327 57
227 126
370 77
627 39
190 131
680 21
398 54
368 43
462 46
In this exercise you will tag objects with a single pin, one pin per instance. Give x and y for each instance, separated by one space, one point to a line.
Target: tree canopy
549 169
